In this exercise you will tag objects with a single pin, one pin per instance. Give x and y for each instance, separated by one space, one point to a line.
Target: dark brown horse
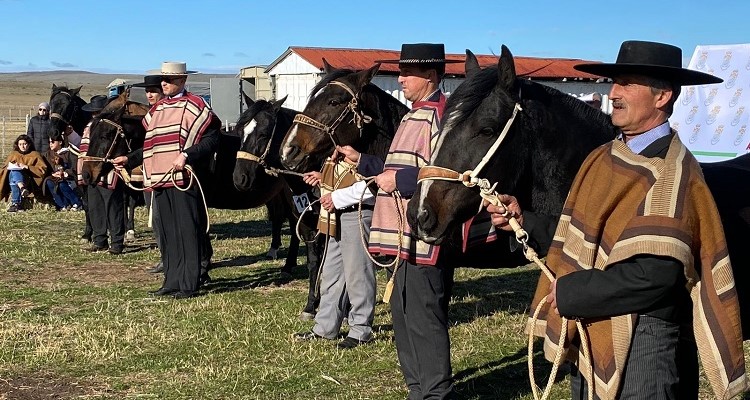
65 109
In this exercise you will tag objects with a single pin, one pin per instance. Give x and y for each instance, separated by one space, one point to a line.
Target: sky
219 36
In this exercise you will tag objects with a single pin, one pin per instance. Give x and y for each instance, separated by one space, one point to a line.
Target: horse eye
334 103
487 132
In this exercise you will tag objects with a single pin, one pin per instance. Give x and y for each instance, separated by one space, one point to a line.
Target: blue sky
223 36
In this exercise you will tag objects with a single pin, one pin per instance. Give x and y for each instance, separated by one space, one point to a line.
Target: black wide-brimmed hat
149 80
97 103
421 53
656 60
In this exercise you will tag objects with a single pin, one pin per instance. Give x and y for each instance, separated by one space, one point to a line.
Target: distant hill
78 78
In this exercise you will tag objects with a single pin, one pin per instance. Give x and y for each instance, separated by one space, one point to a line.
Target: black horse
358 113
544 148
262 127
65 109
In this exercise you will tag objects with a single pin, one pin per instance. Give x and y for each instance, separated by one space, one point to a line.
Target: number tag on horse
301 202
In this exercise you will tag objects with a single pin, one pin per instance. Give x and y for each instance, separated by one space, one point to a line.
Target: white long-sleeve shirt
349 196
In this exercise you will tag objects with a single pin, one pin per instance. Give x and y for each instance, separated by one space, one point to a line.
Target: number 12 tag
301 202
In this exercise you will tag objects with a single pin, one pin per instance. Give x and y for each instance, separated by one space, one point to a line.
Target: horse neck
80 117
284 121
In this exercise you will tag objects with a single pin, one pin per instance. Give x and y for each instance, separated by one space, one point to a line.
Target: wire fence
13 122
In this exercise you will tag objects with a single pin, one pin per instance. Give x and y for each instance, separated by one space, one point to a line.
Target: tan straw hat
172 68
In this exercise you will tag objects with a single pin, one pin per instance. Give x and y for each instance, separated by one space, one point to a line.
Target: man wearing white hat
180 129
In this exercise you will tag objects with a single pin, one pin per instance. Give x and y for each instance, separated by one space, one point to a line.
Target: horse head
523 137
261 128
65 109
114 132
334 115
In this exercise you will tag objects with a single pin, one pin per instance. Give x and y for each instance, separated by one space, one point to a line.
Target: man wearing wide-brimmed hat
422 281
639 252
180 129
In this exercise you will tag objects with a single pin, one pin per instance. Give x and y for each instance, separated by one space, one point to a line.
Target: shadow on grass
255 279
486 295
243 230
506 378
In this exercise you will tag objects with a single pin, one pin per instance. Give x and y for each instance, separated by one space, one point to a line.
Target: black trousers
88 232
419 306
662 364
106 211
186 247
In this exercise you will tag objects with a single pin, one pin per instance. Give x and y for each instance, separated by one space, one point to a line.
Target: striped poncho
411 147
621 205
172 125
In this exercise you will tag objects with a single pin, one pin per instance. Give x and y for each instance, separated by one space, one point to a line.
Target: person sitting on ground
22 173
61 182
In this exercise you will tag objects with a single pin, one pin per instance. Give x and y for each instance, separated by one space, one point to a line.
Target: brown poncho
620 205
335 175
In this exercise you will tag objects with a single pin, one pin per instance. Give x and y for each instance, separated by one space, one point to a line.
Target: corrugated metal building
298 69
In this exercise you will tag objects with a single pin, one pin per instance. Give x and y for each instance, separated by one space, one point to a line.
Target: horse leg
314 252
276 216
129 215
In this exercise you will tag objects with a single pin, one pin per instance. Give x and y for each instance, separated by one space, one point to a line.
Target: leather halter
261 160
120 134
59 116
359 118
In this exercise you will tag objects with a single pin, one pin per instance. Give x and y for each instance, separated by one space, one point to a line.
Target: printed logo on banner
691 115
740 134
735 98
727 60
738 115
732 79
688 95
712 116
710 97
717 134
696 131
702 60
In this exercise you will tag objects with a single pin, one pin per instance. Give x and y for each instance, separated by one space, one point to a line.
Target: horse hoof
273 254
306 316
130 235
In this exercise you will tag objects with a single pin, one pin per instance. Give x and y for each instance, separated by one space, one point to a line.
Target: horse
355 112
65 109
546 142
258 168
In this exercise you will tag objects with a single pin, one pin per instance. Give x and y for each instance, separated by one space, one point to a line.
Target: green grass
81 325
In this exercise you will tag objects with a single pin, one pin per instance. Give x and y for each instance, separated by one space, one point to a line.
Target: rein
487 191
59 116
120 134
359 118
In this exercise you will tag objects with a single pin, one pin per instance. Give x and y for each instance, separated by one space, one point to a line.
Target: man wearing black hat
422 281
639 252
104 201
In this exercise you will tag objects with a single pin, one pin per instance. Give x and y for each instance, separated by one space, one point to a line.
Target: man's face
415 82
43 111
172 85
635 108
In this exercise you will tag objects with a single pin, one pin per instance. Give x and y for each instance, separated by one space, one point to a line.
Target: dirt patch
47 386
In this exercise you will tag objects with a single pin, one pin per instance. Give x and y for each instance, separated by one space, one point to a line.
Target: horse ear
363 78
471 66
277 104
54 87
74 92
248 101
327 68
506 69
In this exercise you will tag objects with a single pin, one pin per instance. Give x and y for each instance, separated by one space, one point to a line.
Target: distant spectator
39 126
22 173
62 180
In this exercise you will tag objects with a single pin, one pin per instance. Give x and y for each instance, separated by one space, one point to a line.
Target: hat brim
158 72
86 107
681 76
144 85
418 62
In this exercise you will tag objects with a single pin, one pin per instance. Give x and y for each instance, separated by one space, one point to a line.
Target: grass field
77 325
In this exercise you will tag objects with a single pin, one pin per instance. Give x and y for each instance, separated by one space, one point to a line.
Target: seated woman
63 179
22 173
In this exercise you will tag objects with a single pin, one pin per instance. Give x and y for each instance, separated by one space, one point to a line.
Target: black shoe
183 295
204 279
13 208
158 268
115 250
162 291
93 248
306 336
350 343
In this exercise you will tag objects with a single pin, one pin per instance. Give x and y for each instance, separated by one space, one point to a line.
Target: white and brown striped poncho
172 126
620 205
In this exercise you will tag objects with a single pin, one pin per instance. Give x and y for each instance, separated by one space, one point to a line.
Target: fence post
2 149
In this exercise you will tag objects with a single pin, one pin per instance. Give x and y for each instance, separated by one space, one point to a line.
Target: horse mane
328 78
249 114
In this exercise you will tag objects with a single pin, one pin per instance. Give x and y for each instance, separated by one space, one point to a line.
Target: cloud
240 54
63 65
208 55
5 62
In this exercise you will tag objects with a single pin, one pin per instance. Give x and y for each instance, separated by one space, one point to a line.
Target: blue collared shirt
639 143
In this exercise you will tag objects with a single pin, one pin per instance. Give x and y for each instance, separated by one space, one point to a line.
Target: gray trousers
348 277
662 364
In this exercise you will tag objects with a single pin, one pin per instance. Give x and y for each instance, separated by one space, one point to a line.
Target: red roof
359 59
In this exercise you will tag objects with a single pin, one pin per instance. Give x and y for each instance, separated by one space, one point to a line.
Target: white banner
712 120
